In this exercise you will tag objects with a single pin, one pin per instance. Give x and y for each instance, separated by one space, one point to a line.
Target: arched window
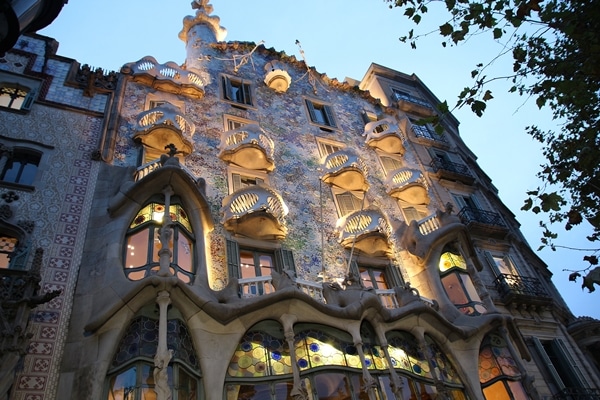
143 243
21 167
498 371
131 372
458 284
415 370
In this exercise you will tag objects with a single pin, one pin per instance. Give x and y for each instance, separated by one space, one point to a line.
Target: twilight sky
342 38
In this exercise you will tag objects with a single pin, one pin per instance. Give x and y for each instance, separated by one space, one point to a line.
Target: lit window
501 264
373 277
7 247
237 91
132 369
458 284
21 167
320 114
498 372
143 243
15 96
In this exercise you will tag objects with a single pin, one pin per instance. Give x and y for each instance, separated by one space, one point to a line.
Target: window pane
266 264
517 390
122 386
366 278
28 173
187 389
247 267
468 284
454 289
11 173
184 252
7 246
332 387
137 249
497 391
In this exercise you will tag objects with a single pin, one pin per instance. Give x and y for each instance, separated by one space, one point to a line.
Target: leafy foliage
555 47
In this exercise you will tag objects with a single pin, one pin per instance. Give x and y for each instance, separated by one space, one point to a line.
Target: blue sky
342 38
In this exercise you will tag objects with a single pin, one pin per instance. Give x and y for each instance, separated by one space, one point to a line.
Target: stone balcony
385 135
522 290
248 147
168 77
368 231
256 212
165 125
408 185
346 170
391 299
485 223
146 169
413 105
452 171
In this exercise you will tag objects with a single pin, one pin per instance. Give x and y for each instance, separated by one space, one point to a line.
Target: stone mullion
163 354
369 382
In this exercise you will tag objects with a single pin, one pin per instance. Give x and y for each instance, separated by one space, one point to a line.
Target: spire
203 17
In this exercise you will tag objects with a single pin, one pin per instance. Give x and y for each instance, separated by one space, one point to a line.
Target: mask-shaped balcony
248 147
482 222
407 185
345 170
168 77
255 211
368 231
164 125
385 135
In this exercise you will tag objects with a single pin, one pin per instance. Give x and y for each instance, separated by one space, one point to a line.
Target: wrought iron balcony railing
249 147
404 97
523 288
577 394
471 214
450 166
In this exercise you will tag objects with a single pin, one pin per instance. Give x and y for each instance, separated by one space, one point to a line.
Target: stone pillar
396 382
166 235
439 385
370 384
163 354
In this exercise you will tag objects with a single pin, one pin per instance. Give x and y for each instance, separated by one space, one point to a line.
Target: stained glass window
458 284
406 354
441 363
133 363
498 371
260 354
143 243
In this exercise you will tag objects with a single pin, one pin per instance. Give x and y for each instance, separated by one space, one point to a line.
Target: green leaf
416 18
487 95
474 73
528 204
446 29
478 107
450 4
497 33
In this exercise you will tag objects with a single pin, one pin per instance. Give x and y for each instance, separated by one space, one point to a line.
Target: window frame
323 146
8 79
19 153
396 160
337 193
152 258
228 120
325 109
233 172
242 97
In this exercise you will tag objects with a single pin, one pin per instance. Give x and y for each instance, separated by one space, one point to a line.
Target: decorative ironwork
509 286
577 394
95 80
450 166
470 214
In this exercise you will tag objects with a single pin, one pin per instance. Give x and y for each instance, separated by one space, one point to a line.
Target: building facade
243 227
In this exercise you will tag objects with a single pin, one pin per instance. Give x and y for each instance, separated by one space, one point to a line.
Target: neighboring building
21 16
243 227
